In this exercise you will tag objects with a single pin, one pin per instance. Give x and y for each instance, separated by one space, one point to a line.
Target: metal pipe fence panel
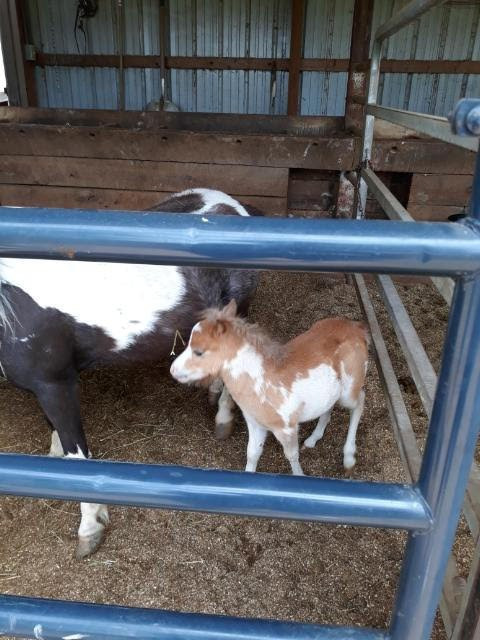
59 620
453 427
406 15
375 246
446 465
433 126
430 509
212 491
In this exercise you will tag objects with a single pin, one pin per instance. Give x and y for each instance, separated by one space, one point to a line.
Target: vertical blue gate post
452 436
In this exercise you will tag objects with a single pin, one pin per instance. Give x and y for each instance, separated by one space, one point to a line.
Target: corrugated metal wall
236 28
450 32
328 30
248 28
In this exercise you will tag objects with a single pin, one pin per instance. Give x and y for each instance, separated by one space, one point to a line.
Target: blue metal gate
429 510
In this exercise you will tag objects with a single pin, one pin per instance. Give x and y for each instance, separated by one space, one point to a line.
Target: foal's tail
366 331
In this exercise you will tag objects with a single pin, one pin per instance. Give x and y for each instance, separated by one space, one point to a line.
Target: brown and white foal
279 386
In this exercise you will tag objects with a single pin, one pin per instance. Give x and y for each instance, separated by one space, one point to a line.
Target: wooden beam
430 189
359 53
139 175
324 64
117 199
296 46
28 65
467 626
421 156
154 62
12 53
431 66
204 148
433 212
157 120
334 65
400 156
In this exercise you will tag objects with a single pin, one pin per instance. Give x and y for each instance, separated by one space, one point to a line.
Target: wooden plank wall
131 161
123 168
435 197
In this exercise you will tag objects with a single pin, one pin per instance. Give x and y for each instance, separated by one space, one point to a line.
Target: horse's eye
197 352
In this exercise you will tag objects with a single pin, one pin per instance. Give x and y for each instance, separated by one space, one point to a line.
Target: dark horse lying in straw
59 318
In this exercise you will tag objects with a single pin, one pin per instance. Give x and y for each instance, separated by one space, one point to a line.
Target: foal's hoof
223 430
349 462
89 544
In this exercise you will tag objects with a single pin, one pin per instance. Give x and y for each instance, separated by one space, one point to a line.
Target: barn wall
233 28
328 31
252 29
245 28
131 160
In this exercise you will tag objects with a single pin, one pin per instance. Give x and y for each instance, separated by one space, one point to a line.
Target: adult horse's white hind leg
224 417
92 525
350 448
319 430
56 449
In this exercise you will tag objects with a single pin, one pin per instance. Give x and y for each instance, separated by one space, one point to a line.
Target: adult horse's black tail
7 315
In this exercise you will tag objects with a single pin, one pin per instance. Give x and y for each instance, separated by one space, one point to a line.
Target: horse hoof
88 545
349 462
103 516
223 430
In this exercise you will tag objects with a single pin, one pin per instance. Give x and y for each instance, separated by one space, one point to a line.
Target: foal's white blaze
311 395
179 368
124 300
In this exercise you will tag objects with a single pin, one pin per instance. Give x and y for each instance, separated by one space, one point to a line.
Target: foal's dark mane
252 332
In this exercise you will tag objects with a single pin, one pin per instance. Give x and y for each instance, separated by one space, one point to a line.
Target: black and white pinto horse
61 317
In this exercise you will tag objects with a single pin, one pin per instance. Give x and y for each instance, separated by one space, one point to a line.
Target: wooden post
296 46
467 626
359 56
28 65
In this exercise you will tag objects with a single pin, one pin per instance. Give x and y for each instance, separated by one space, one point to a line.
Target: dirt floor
224 565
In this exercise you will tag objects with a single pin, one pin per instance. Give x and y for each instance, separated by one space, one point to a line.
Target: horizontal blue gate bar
375 246
59 620
229 492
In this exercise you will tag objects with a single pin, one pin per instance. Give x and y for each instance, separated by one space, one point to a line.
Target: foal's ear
230 311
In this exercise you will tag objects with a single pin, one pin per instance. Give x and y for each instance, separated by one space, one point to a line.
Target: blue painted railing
429 510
